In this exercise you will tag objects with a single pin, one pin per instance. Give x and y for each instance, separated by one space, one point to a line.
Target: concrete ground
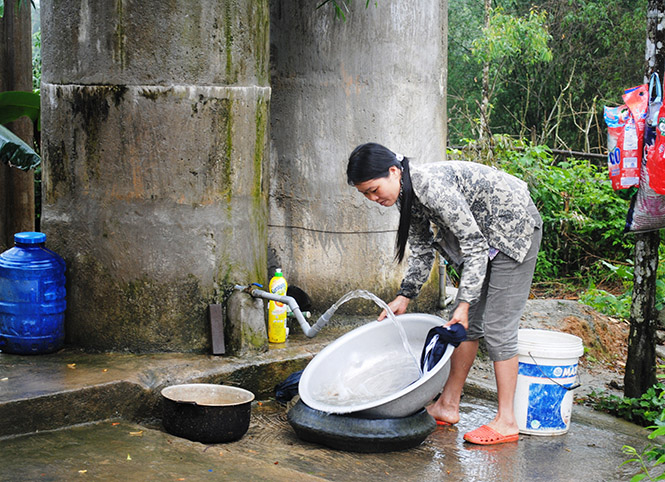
76 416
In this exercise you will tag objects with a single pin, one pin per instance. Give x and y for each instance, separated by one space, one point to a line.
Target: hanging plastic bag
615 118
625 132
647 208
637 100
622 147
655 102
656 161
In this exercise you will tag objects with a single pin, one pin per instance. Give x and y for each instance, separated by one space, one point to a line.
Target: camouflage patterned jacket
471 207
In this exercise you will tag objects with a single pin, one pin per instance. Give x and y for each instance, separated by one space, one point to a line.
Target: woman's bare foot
504 427
443 413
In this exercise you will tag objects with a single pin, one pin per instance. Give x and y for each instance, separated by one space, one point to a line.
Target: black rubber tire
352 434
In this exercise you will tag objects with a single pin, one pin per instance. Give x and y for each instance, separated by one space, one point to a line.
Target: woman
485 223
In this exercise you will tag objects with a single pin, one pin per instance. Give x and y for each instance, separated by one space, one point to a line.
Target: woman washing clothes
486 223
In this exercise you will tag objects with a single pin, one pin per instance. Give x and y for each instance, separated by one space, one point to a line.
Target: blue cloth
438 339
288 389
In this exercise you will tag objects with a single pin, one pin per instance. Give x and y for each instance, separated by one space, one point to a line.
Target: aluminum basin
368 360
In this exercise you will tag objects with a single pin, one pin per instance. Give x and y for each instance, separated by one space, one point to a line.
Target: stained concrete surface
77 416
121 450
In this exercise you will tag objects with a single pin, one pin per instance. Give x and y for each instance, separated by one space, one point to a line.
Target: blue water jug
32 297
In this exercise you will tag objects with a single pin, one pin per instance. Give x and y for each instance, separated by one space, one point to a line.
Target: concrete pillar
154 132
380 76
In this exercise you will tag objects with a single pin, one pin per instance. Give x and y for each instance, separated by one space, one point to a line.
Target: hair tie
399 157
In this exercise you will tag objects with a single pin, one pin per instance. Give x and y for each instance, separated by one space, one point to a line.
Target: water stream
382 304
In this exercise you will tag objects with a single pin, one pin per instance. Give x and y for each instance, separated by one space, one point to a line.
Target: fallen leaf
260 404
82 471
136 434
129 457
252 451
71 365
115 423
4 379
105 370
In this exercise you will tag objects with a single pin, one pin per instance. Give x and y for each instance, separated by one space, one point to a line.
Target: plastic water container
546 378
32 297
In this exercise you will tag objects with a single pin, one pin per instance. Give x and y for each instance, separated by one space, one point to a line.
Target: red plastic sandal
488 436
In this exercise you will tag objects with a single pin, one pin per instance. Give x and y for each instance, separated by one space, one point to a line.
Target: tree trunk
484 127
641 362
17 190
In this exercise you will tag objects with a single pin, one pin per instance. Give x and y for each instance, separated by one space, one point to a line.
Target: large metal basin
371 354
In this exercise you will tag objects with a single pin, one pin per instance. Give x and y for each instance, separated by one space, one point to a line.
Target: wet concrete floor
76 416
121 450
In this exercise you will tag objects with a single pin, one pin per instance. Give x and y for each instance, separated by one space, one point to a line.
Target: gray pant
497 313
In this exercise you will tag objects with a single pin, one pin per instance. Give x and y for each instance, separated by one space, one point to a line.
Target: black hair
373 161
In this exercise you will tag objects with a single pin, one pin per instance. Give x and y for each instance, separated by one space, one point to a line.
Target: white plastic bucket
546 377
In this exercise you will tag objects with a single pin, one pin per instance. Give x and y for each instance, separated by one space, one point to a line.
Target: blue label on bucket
547 371
544 410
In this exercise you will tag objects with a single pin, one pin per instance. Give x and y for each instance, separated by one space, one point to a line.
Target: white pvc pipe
310 331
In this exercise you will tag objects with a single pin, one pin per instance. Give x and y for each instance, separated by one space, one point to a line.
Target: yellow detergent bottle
277 310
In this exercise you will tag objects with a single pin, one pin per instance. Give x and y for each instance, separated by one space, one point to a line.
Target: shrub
583 218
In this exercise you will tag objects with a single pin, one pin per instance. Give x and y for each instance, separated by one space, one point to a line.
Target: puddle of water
588 453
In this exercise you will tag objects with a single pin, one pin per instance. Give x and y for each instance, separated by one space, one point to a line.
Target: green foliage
524 39
596 45
606 302
16 104
609 303
646 410
341 7
19 4
651 452
608 38
583 218
15 152
581 214
507 42
619 305
36 60
464 73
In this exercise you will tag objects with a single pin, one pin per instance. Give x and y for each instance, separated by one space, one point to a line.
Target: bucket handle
572 387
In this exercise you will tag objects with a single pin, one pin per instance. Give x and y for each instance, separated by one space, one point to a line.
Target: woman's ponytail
405 212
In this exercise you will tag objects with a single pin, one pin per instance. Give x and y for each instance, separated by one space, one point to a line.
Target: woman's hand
398 306
460 315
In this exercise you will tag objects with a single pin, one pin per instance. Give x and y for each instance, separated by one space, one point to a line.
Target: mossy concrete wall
379 76
155 119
